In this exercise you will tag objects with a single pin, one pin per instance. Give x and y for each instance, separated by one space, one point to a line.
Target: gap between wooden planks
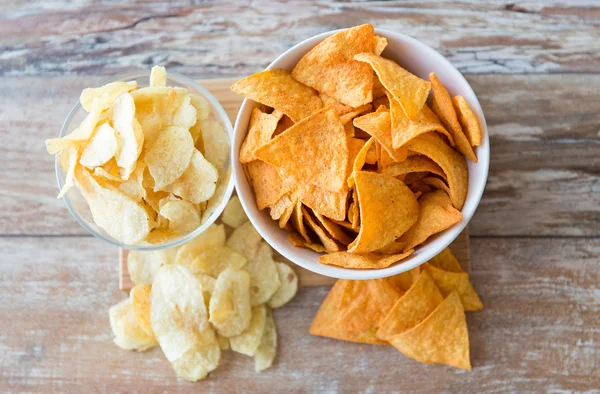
231 102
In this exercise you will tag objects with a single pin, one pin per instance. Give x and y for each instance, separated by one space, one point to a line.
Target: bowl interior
419 59
78 206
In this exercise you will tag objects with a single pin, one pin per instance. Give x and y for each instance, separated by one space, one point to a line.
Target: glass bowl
79 207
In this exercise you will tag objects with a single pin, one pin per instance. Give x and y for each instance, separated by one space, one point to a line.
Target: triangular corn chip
446 261
379 44
378 125
327 241
405 280
458 282
359 160
362 261
413 163
333 229
436 183
266 182
261 128
467 120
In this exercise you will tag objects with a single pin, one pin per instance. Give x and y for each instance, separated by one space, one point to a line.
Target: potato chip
143 266
330 66
101 147
436 183
158 76
446 261
185 116
325 322
288 288
212 237
264 278
274 88
266 182
382 196
346 118
410 90
267 349
217 198
362 261
234 214
458 282
412 308
468 121
128 333
360 159
379 44
108 92
404 280
223 342
129 133
215 260
436 214
201 359
453 164
208 284
133 187
198 182
230 310
319 140
203 109
444 109
328 242
378 125
248 341
170 156
182 216
261 128
245 240
216 143
442 338
140 301
414 163
71 155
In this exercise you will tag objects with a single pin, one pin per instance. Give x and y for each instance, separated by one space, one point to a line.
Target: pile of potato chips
208 295
348 157
150 162
420 312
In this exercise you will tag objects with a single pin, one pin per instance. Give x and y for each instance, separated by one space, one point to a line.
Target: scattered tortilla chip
468 120
458 282
404 281
330 66
362 261
446 261
453 164
319 140
266 182
414 163
378 125
261 128
381 196
275 88
379 44
333 229
444 109
412 308
436 214
327 241
442 338
410 90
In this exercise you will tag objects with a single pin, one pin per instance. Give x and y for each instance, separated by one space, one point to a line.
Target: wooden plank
545 163
460 248
537 333
215 39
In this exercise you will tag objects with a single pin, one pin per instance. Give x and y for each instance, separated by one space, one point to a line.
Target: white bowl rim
222 116
424 254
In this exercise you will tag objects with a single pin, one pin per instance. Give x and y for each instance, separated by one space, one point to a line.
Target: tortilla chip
442 338
339 108
384 158
410 90
284 123
378 125
287 214
415 305
378 90
327 241
276 88
362 261
333 229
379 44
297 241
382 197
453 164
458 282
359 160
444 109
405 280
381 101
262 126
436 183
346 118
468 120
330 66
371 157
266 182
313 151
446 261
298 222
324 323
412 164
436 214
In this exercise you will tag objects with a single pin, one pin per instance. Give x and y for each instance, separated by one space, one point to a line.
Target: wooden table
535 240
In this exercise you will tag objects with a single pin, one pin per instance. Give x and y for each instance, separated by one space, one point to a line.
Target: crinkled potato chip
214 261
382 196
216 143
129 132
267 349
261 128
264 278
266 182
467 120
444 109
378 125
446 261
453 164
288 288
234 214
203 109
328 242
245 240
140 301
414 163
198 182
319 140
158 76
410 90
208 286
330 66
248 341
170 156
442 338
379 44
212 237
101 148
185 116
230 310
143 266
182 216
436 214
276 88
458 282
412 308
128 334
362 261
110 91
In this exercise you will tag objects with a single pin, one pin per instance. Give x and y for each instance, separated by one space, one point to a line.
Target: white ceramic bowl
419 59
79 207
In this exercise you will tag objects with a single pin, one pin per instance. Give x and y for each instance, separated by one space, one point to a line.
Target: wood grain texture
538 331
91 38
545 154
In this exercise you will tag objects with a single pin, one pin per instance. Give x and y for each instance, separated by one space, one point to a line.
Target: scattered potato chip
446 261
215 260
261 128
362 261
267 349
212 237
101 147
379 44
208 287
382 196
403 281
170 156
182 216
198 182
223 342
273 87
201 359
140 301
264 277
133 187
143 266
108 92
468 121
288 288
230 310
128 333
266 182
245 240
158 76
442 338
234 214
458 282
185 116
203 109
330 66
410 90
248 341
